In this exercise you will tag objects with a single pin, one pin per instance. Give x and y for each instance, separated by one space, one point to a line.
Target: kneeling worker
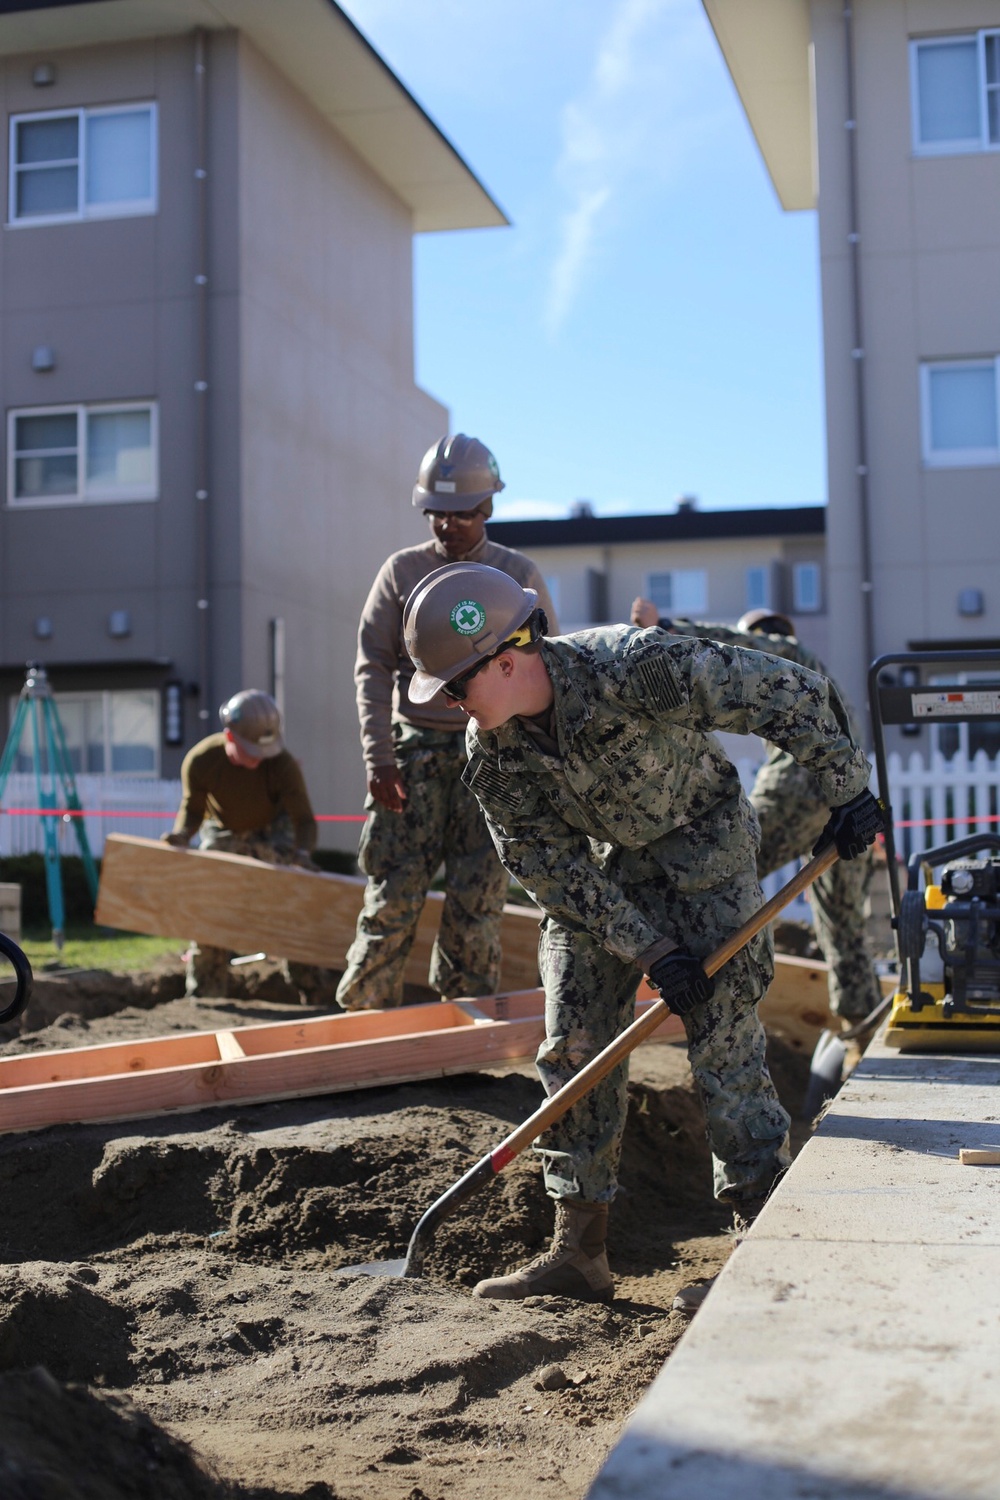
791 808
245 794
611 801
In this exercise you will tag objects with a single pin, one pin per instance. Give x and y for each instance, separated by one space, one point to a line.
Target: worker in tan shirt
243 793
420 814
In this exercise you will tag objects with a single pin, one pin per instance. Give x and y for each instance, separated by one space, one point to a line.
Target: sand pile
187 1273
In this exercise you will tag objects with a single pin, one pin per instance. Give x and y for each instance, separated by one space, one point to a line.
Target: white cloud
631 125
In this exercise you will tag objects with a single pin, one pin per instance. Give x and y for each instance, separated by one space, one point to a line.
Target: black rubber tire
911 929
25 978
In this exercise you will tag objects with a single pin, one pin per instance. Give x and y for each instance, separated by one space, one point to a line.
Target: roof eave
323 54
768 51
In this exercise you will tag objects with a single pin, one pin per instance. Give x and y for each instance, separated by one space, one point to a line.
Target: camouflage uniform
400 851
792 813
626 822
207 968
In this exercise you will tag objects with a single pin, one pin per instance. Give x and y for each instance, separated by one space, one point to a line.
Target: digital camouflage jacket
640 785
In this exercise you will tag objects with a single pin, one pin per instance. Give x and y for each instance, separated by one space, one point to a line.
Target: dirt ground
176 1318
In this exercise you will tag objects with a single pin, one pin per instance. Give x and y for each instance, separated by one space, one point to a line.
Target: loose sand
175 1319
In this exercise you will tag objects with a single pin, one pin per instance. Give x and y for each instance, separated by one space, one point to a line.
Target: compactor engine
949 948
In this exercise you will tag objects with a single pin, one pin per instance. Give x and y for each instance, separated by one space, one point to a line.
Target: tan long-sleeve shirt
383 669
243 801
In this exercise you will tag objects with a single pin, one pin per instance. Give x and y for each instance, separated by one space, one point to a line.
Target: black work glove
681 981
852 827
179 840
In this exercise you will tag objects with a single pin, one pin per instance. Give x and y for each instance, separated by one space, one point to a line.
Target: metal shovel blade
825 1073
564 1098
375 1268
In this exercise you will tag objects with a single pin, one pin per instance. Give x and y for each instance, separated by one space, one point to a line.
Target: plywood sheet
232 902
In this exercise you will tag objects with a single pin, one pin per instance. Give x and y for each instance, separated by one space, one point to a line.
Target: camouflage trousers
400 853
792 816
207 968
589 998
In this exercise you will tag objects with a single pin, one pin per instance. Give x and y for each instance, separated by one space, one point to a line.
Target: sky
649 327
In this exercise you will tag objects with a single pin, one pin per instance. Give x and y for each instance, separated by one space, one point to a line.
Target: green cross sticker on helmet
468 617
456 618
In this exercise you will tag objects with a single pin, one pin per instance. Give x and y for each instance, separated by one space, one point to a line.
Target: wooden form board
248 906
796 1008
326 1054
252 1064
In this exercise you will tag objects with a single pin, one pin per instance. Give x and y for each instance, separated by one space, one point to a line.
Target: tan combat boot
575 1265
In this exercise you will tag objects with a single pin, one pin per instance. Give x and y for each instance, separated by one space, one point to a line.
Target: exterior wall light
43 628
173 713
119 623
970 602
43 358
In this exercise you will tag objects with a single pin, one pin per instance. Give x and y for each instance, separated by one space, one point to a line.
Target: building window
73 455
955 87
82 164
806 596
960 417
107 733
682 591
758 588
552 583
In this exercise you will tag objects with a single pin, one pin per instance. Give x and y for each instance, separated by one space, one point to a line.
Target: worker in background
612 802
242 792
791 807
420 813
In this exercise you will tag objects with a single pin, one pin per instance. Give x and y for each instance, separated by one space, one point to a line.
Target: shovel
826 1070
557 1105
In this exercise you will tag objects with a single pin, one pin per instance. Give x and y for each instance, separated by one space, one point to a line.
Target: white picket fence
115 804
932 803
942 801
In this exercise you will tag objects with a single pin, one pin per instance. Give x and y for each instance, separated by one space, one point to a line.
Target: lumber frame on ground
324 1054
284 1060
229 901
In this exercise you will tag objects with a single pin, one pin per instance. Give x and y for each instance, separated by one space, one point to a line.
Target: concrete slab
850 1348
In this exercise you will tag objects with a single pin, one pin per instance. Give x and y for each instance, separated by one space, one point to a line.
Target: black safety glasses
457 688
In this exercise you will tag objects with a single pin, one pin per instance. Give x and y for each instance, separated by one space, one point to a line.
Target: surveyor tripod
53 771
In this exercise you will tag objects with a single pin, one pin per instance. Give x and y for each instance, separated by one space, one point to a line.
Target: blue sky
649 326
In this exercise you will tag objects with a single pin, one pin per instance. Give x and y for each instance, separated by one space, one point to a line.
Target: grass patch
97 948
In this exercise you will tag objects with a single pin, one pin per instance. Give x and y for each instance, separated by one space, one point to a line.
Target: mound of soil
192 1273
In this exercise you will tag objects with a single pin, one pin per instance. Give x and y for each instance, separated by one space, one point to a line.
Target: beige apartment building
211 420
885 115
705 565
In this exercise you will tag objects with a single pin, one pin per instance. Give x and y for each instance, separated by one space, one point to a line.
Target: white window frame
799 605
955 458
129 208
105 695
672 573
981 142
85 495
765 571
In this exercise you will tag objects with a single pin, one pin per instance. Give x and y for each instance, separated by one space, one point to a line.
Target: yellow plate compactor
947 920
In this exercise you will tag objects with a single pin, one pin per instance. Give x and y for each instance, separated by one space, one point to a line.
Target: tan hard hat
254 721
769 621
457 473
456 618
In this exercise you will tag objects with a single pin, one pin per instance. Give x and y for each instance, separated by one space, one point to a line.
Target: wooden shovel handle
554 1108
557 1105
